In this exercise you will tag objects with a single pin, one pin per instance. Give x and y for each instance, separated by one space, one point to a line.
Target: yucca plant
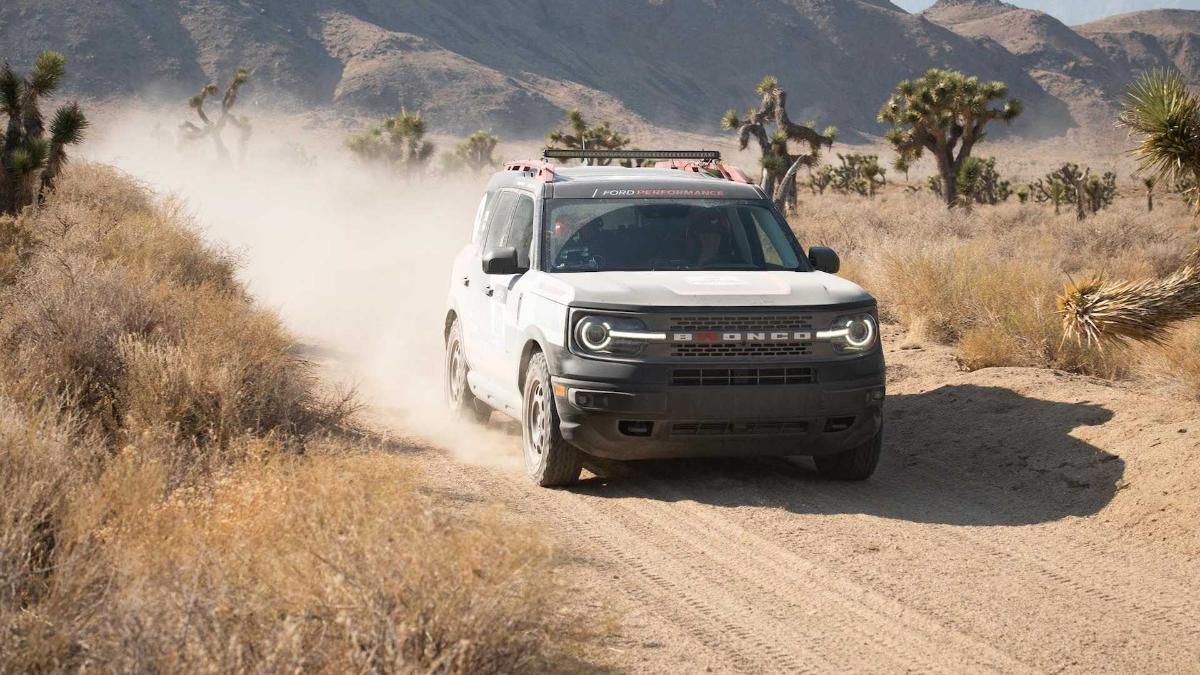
1098 311
30 161
579 136
209 128
396 142
1149 184
476 151
1164 116
944 112
779 164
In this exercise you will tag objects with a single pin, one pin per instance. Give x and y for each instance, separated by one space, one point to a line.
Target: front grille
773 428
728 377
741 349
751 322
762 323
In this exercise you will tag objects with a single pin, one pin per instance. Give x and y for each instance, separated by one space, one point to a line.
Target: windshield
610 235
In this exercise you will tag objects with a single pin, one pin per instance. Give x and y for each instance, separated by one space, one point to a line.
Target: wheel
853 464
549 459
458 393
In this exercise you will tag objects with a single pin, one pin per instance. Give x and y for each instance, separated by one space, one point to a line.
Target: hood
635 290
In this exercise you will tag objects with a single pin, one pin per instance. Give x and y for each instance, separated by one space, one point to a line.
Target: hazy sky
1077 11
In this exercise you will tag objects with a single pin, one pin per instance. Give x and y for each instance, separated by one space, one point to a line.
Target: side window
481 216
498 220
520 232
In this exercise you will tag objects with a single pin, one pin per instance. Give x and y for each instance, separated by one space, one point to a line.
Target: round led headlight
853 333
594 334
860 332
612 336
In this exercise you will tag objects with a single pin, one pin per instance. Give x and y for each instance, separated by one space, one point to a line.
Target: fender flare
535 340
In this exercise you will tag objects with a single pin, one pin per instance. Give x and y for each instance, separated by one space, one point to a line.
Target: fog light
636 428
583 399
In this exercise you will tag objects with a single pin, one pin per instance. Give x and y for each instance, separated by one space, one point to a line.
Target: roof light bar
701 155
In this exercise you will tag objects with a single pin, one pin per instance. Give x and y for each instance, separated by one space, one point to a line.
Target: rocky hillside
515 65
1087 67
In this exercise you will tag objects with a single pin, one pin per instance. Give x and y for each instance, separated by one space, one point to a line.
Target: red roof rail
727 171
541 170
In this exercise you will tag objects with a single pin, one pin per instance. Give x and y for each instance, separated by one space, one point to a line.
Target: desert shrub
985 282
127 315
41 462
156 513
332 563
1179 358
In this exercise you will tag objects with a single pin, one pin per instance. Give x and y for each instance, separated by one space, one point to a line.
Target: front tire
854 464
550 460
462 401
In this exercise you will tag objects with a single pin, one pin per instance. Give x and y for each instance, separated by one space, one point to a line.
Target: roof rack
540 170
695 161
568 153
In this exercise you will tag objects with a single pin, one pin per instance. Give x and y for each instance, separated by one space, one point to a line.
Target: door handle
489 291
466 281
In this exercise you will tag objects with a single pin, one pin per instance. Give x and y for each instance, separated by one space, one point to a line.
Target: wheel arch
532 346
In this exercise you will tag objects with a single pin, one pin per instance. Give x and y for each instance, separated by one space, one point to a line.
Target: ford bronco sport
635 313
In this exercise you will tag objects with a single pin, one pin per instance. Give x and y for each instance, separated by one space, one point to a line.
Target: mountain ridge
515 69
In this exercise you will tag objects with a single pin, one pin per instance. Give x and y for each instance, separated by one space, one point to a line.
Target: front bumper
636 411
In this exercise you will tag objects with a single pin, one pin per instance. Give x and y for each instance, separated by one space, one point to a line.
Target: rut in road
761 606
775 578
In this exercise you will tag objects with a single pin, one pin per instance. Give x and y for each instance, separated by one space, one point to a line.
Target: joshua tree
779 164
210 129
476 151
978 183
29 161
396 142
1164 116
902 164
820 179
579 136
944 112
859 174
1087 192
1023 194
1149 184
1099 311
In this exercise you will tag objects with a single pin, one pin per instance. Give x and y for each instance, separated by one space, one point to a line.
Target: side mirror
824 259
501 260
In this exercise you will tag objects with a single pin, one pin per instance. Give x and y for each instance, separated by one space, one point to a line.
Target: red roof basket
538 169
727 171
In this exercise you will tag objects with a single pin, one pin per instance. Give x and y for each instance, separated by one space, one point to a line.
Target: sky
1077 11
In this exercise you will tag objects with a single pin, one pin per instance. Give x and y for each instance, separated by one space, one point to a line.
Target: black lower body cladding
646 411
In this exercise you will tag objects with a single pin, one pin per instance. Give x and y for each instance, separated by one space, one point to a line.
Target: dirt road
1022 521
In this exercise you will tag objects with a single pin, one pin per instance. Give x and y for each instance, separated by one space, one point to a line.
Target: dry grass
986 281
1178 359
158 513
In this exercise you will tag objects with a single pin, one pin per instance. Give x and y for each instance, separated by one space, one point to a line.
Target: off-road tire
550 460
854 464
462 401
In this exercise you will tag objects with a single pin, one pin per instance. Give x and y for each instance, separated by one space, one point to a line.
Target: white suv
635 313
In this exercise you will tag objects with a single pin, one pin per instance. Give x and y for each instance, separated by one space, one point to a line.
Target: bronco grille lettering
742 336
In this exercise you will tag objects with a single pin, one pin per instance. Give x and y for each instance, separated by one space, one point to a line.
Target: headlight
612 336
851 334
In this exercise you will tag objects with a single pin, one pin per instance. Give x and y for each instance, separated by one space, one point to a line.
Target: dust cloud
355 260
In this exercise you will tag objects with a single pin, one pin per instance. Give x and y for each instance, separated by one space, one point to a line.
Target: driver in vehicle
709 235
